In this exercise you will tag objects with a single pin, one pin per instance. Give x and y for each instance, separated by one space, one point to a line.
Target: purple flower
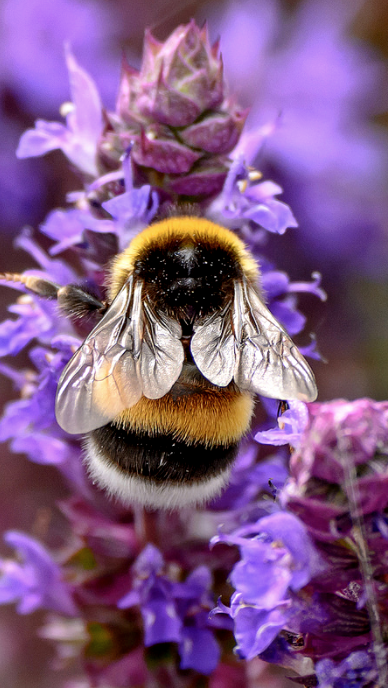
56 270
36 582
67 227
277 559
256 628
251 478
174 612
153 592
198 648
79 138
292 423
29 423
134 209
280 295
242 201
37 318
34 319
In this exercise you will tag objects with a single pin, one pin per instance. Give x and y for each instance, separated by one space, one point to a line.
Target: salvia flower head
340 469
310 581
176 114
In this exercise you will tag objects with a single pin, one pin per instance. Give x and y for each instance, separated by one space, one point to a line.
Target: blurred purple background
316 72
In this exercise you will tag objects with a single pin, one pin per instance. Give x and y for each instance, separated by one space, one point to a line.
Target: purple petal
274 216
37 581
87 103
263 575
56 270
43 449
274 282
149 562
199 650
16 334
286 312
78 140
255 629
132 599
68 227
46 136
291 532
161 622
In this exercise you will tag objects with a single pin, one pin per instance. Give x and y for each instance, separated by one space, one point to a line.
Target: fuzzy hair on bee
163 387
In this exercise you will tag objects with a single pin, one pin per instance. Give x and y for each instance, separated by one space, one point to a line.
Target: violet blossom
288 564
36 582
174 611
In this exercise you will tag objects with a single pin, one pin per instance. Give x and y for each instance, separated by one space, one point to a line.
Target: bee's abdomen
173 451
162 458
157 471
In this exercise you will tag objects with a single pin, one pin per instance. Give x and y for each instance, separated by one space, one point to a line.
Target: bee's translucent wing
268 362
247 344
213 347
114 368
162 353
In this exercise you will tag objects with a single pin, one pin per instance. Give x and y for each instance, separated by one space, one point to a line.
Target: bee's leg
77 303
72 299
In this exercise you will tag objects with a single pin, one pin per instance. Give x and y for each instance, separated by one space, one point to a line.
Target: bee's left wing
131 352
247 344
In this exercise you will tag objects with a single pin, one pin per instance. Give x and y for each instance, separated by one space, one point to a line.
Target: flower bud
175 115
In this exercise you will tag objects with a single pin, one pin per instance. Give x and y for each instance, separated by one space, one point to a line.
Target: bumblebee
163 387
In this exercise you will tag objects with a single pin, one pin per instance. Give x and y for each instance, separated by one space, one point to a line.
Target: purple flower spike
308 534
79 138
36 582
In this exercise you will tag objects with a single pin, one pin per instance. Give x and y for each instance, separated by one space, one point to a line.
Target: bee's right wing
246 344
130 353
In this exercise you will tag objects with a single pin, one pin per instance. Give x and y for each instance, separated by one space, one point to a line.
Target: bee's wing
213 347
247 344
162 353
269 362
114 367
